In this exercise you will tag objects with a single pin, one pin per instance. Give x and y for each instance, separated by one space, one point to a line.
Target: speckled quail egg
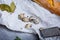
25 19
31 18
28 25
21 16
34 20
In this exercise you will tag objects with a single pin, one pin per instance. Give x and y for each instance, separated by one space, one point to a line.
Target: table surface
6 34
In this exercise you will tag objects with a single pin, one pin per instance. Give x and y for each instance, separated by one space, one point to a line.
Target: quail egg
28 25
21 16
25 19
34 20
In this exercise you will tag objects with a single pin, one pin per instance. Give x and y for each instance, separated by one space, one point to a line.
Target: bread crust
52 5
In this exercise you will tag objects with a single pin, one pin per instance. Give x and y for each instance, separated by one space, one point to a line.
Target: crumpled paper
47 19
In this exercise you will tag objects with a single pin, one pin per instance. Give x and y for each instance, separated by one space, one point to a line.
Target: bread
52 5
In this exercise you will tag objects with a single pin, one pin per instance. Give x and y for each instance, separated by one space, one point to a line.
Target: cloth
47 19
6 34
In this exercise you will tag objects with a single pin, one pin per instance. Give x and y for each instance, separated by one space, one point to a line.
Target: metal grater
50 32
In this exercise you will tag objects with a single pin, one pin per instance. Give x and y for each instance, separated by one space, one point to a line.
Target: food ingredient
5 7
